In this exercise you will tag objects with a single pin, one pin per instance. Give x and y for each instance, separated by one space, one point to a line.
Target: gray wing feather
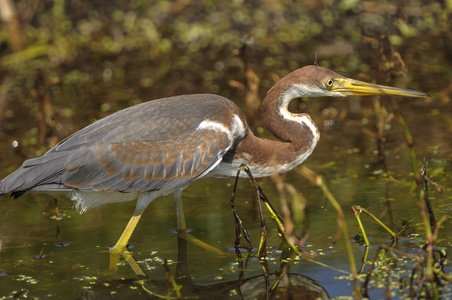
162 166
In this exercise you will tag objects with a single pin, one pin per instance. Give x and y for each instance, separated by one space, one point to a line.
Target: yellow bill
352 87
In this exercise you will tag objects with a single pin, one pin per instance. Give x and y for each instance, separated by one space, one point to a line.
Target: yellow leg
120 248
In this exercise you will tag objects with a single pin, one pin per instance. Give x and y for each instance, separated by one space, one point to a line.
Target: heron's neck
297 134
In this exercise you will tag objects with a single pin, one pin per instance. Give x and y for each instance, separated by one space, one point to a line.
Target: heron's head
314 81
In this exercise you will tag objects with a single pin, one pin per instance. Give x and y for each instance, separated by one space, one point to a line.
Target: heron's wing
146 165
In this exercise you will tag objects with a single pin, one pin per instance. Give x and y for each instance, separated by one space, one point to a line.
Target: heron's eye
329 83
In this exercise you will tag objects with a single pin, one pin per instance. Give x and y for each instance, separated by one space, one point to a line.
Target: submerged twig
242 272
238 222
262 244
426 196
275 216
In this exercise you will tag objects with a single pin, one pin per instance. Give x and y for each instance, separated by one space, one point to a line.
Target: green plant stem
361 227
392 233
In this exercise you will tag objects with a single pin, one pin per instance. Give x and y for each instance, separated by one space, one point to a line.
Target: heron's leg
120 248
182 268
179 207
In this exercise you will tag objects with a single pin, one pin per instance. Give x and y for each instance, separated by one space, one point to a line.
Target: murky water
68 258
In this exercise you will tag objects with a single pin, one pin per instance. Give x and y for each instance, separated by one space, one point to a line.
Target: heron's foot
116 252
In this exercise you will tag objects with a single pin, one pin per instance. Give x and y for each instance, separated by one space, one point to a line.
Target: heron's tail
37 174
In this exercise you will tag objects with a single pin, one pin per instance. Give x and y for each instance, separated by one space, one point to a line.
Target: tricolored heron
159 147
